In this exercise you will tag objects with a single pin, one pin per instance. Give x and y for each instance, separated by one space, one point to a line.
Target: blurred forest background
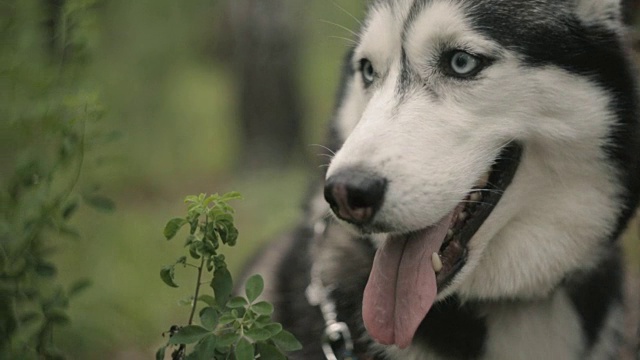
111 112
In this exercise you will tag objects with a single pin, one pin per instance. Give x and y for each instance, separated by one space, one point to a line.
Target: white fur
432 145
537 330
561 202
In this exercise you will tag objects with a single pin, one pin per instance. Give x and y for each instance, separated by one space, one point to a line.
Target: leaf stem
195 297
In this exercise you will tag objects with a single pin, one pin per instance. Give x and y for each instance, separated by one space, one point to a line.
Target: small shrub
231 327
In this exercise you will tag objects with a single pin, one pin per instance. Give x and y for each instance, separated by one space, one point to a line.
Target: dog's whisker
326 155
347 12
350 41
324 147
341 27
474 202
466 202
492 191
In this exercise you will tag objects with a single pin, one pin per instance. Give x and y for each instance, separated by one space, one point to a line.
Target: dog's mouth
472 212
410 269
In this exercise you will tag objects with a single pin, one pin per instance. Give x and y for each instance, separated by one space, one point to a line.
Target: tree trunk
265 41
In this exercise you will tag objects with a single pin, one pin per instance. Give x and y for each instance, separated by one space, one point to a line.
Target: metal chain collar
337 343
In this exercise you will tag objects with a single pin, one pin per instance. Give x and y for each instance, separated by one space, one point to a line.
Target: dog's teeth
475 196
449 234
462 216
436 262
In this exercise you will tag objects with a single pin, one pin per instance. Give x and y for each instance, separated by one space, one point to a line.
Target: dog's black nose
355 195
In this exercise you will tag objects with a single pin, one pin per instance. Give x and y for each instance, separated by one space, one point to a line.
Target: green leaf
188 335
57 316
218 261
257 334
182 260
187 301
262 308
286 341
208 249
226 318
29 317
226 229
227 339
207 299
190 240
230 235
273 328
193 250
209 318
45 269
191 199
206 347
50 353
232 195
193 225
268 352
172 227
222 285
254 287
237 302
244 350
69 232
224 218
79 286
262 320
69 209
167 274
160 353
100 202
210 199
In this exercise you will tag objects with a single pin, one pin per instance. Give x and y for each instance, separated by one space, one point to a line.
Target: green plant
44 112
231 327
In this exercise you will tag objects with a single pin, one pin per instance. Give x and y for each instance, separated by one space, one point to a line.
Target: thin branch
195 297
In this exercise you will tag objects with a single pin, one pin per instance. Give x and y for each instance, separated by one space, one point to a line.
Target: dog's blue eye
368 72
464 64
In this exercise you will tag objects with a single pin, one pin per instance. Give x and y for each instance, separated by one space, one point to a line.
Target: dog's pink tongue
402 285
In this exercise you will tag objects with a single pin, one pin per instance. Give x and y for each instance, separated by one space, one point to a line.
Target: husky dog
487 159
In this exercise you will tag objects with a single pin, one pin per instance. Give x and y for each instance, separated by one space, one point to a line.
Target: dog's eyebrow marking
407 79
404 80
416 9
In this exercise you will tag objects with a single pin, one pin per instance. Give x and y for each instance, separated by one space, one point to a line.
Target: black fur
593 52
292 308
594 294
454 330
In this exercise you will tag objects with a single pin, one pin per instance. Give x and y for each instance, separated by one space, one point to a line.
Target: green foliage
237 327
44 110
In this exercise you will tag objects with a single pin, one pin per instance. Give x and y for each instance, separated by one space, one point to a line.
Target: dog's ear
607 13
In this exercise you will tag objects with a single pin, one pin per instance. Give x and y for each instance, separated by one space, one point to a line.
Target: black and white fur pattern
543 279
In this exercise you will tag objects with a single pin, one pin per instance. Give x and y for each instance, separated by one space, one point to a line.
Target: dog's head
489 141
